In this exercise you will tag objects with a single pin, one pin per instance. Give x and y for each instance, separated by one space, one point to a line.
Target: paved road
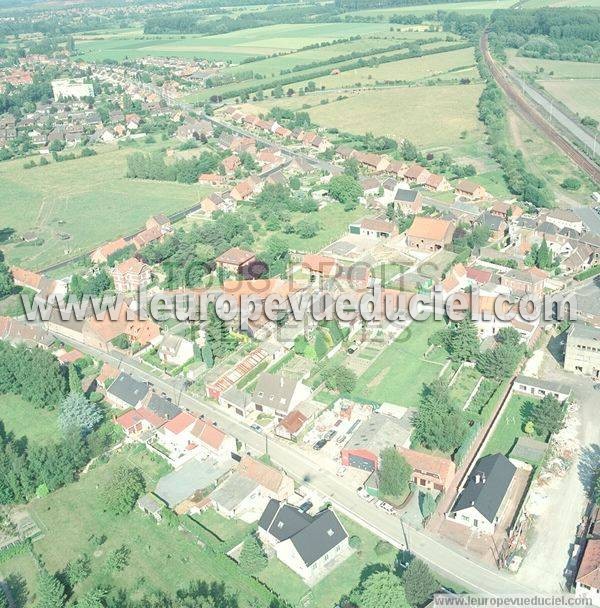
590 218
554 114
452 563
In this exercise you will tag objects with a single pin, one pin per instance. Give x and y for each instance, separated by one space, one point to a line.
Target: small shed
151 505
528 450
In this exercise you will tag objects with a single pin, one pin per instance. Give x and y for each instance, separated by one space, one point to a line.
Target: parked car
341 471
352 349
256 427
330 434
597 387
364 494
319 444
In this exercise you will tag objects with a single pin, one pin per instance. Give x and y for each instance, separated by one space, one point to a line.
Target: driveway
564 499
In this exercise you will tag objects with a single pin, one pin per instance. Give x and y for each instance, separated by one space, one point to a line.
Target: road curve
527 110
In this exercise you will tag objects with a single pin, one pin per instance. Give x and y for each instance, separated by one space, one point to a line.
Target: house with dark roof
482 500
311 545
126 392
408 201
526 385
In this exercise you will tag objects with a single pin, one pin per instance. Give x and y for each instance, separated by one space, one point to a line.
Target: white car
365 495
341 471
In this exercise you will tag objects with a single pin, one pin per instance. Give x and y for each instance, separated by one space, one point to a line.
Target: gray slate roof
128 390
406 196
163 407
312 536
233 490
487 486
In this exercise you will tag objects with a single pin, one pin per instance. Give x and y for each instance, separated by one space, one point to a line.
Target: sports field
233 46
398 373
580 96
433 116
88 199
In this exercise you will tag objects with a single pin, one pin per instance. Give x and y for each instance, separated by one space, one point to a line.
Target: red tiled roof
180 423
589 569
293 422
318 263
263 474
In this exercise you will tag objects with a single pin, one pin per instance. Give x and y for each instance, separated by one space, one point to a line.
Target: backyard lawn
160 556
398 373
19 417
339 582
464 384
511 426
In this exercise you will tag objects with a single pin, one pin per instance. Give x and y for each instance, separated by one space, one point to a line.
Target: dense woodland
568 34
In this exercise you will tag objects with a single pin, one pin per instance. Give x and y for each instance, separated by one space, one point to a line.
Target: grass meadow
90 199
160 556
431 117
553 68
23 420
580 96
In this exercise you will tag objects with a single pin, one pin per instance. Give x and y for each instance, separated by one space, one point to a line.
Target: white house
311 545
481 502
277 394
175 350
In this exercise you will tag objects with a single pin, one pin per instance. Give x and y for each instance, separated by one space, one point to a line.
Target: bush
383 548
355 542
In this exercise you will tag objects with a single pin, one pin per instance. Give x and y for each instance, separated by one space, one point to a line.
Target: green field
161 557
21 419
560 3
510 426
580 96
552 68
272 66
484 7
399 372
89 199
542 156
415 68
233 46
429 116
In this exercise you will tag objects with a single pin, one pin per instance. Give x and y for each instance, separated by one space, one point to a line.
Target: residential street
448 561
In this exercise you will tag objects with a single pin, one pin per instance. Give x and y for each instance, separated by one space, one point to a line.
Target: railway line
532 115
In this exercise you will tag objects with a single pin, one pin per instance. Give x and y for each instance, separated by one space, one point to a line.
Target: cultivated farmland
233 46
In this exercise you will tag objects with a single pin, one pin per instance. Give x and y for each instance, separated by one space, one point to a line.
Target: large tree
547 415
419 583
394 473
51 592
219 339
78 413
346 190
381 590
124 488
341 379
438 424
463 341
7 283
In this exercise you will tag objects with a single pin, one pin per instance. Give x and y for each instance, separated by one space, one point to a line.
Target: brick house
429 234
429 472
130 275
470 189
235 260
